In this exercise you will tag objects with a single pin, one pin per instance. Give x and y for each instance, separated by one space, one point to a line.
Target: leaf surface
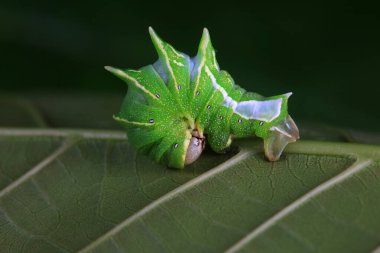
70 190
90 191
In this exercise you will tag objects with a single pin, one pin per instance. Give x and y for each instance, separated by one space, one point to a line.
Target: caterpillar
177 103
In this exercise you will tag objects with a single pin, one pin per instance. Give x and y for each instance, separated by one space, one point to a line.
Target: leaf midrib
170 195
325 186
38 167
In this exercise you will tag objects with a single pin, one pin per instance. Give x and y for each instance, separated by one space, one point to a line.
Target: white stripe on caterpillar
260 110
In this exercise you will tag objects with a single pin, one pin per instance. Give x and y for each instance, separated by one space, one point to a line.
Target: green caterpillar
175 104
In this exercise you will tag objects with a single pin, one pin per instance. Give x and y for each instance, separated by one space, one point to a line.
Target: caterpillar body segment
175 105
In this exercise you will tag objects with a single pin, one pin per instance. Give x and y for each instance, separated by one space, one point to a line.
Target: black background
327 54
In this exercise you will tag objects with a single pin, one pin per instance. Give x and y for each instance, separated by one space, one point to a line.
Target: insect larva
175 104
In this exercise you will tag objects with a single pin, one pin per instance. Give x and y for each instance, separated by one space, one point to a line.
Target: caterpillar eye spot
197 93
151 121
220 117
176 145
178 87
157 95
261 123
239 120
209 106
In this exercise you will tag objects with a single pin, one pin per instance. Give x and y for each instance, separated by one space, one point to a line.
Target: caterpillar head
281 130
196 146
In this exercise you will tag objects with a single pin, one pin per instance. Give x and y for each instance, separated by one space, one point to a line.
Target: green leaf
65 190
88 191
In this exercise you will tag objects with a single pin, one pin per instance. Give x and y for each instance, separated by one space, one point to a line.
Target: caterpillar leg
220 142
219 133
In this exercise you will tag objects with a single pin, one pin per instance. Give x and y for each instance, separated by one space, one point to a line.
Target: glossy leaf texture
80 190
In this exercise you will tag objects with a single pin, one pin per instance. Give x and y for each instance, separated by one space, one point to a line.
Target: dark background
327 54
